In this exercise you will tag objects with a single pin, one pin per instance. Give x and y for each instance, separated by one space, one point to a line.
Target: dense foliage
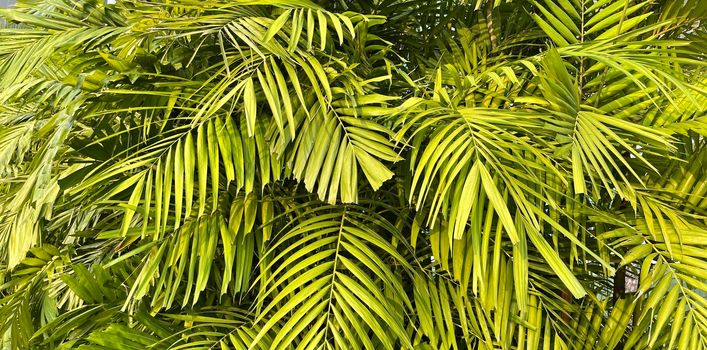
353 174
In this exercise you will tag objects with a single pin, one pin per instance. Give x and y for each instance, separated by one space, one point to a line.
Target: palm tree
353 174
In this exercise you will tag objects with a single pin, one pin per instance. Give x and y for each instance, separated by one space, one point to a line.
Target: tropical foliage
353 174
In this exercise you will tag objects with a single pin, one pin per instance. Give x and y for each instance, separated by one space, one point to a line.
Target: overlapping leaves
488 181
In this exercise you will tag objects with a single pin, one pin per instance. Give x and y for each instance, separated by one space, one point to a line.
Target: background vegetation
371 174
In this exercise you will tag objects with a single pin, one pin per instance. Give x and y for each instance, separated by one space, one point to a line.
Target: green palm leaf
392 174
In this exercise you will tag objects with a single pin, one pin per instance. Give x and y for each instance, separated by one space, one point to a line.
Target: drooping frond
394 174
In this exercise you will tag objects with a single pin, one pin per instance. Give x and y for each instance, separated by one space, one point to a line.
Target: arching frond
353 174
